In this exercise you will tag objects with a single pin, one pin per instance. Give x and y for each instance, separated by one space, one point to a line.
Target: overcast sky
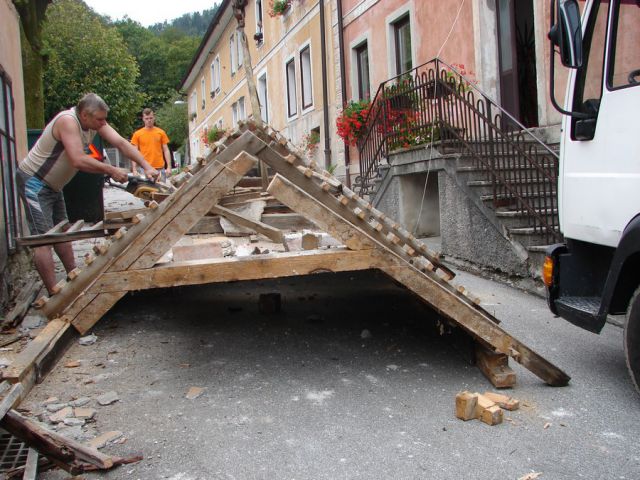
148 12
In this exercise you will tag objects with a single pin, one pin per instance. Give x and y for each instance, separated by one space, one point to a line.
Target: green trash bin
83 194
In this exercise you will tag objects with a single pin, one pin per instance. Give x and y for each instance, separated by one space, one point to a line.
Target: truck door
600 179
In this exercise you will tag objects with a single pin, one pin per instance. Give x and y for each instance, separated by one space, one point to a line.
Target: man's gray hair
92 103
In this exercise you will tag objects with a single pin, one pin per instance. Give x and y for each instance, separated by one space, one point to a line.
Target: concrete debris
84 413
88 340
73 422
80 402
56 407
32 321
102 440
108 398
60 415
365 334
194 392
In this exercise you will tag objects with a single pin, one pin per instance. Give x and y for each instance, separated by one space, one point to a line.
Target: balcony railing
434 105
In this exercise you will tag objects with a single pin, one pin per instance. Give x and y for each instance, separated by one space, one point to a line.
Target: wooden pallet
127 261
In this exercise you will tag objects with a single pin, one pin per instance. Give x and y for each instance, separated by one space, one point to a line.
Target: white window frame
259 17
240 52
233 53
290 60
202 91
264 97
215 76
194 103
390 21
309 83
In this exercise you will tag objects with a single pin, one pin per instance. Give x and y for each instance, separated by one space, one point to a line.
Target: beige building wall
284 38
11 63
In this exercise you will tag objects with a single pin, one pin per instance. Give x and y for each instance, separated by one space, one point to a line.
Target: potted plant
310 142
214 134
278 7
351 124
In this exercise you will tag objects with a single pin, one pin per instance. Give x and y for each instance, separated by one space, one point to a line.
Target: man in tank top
53 161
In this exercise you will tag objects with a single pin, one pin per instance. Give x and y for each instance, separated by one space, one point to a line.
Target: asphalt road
302 395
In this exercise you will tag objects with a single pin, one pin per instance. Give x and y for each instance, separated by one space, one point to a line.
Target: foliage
172 118
212 135
403 130
32 14
86 55
190 24
278 7
402 94
351 123
310 142
163 58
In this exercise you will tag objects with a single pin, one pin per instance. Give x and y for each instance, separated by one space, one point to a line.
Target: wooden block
269 303
310 241
460 289
378 226
343 200
88 258
153 205
391 237
325 186
503 401
359 213
308 173
137 218
120 233
487 411
73 274
41 302
466 403
101 249
290 159
409 250
495 366
492 415
58 286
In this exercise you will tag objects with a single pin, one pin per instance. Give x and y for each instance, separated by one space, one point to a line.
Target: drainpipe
325 95
343 84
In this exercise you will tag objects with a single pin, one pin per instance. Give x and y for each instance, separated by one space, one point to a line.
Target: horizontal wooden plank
229 269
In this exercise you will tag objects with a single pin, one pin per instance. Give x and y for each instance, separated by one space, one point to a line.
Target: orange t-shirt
150 141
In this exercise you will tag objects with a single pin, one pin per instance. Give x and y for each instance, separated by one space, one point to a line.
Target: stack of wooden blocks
486 407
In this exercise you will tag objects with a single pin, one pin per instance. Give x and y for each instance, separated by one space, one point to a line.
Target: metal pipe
325 94
343 85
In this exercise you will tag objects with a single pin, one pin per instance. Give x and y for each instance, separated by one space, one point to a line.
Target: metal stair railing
434 103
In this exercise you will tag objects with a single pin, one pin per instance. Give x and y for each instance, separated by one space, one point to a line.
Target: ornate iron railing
434 104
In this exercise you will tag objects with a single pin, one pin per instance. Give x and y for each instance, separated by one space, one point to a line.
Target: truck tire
632 339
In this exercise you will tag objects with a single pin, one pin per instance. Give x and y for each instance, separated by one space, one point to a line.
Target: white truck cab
596 272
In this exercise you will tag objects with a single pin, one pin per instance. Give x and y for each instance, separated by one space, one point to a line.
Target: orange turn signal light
547 271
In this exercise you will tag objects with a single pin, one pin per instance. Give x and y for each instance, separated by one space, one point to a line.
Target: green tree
172 118
88 55
32 14
163 58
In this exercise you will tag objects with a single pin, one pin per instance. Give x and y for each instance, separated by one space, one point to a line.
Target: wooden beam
475 322
297 199
36 347
230 269
175 218
272 233
53 238
495 367
24 299
439 294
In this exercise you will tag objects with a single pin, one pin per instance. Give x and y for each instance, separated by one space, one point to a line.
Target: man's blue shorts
44 207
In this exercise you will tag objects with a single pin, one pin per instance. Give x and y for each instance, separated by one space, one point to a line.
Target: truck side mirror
567 33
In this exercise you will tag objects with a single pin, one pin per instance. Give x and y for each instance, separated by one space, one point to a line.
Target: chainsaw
141 187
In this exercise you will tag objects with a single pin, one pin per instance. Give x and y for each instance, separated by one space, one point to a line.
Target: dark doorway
517 60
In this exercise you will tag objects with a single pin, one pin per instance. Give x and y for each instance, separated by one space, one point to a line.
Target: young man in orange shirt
153 144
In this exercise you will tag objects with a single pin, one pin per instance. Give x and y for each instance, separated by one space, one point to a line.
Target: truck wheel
632 339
